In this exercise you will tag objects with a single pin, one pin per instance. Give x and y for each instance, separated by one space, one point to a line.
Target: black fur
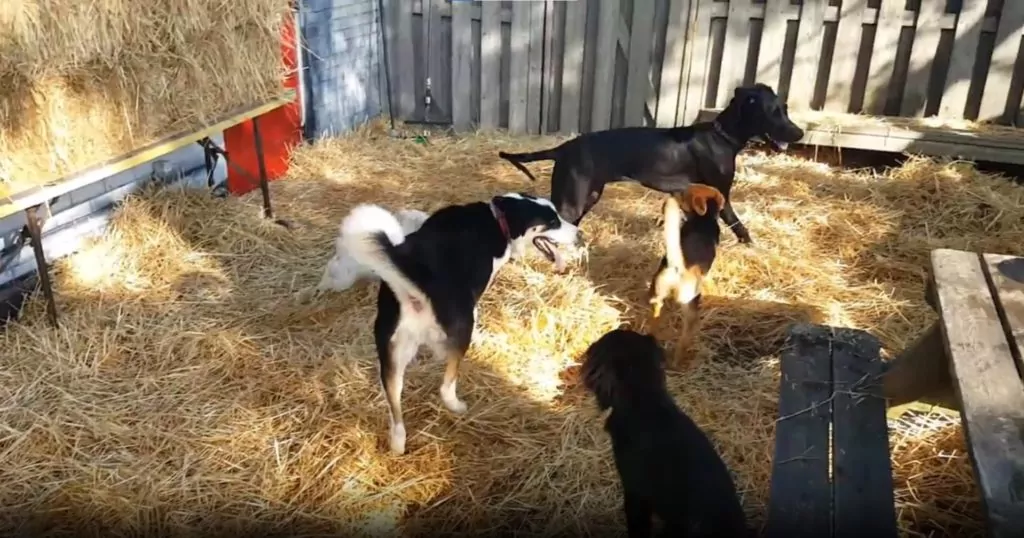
667 465
664 159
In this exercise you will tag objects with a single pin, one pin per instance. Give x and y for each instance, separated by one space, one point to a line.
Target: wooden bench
971 360
830 404
35 200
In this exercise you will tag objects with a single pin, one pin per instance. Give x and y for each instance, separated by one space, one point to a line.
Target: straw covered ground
82 82
188 391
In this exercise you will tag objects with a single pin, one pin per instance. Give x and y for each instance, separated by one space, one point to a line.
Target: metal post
208 161
36 235
264 185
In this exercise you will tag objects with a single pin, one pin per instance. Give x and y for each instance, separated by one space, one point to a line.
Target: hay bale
186 389
82 82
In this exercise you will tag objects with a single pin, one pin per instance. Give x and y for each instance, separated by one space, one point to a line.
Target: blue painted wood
343 65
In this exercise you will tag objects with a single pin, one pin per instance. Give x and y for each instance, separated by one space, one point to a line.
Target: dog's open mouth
550 251
776 144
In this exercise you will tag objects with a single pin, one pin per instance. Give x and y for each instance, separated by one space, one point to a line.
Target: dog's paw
455 405
397 439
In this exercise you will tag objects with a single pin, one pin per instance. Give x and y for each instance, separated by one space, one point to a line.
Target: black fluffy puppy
667 466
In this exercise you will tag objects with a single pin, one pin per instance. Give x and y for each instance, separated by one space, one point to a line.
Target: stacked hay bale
82 82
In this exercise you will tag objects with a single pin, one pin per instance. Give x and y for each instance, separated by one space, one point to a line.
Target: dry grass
82 82
187 392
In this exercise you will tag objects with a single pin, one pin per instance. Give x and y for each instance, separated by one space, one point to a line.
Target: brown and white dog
690 249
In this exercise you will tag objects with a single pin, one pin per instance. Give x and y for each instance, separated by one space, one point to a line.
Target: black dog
664 159
433 278
667 466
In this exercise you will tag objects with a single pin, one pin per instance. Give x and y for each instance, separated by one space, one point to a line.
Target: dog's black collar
721 131
502 223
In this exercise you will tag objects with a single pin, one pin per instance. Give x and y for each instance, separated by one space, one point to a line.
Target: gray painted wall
342 64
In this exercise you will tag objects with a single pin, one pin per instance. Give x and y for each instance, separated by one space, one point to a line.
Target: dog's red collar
502 223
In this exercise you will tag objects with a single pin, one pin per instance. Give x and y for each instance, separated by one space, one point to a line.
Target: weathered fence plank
604 76
927 32
490 65
734 55
404 65
638 84
437 60
519 69
552 37
773 41
844 57
883 57
695 66
572 65
536 62
961 61
994 100
672 66
462 66
810 33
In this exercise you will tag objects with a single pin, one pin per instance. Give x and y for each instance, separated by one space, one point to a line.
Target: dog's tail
517 159
370 233
673 221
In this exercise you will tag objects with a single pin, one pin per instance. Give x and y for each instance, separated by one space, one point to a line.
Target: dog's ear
745 94
698 195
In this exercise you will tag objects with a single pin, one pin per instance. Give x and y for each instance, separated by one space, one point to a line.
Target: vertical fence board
436 60
810 33
883 55
672 66
695 65
734 53
994 100
552 35
572 65
404 66
462 65
536 64
927 31
490 65
638 75
519 69
961 61
604 76
773 43
844 59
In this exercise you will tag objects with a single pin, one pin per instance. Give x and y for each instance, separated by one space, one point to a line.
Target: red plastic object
281 129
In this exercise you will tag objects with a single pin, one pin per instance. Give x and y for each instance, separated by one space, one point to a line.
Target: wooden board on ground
830 377
982 342
20 199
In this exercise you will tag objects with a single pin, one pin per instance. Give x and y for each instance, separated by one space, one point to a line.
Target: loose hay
186 391
83 82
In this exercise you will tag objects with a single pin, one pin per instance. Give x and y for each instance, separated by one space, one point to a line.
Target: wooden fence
543 66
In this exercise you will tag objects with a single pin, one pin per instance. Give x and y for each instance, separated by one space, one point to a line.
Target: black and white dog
433 278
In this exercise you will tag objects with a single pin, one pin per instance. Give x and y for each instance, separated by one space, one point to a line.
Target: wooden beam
988 383
800 493
1007 276
861 471
921 372
37 194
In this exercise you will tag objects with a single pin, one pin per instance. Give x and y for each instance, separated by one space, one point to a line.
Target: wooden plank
844 59
604 72
810 33
988 384
734 53
994 105
883 55
695 64
462 65
921 372
961 60
927 32
773 43
552 35
440 78
861 471
490 65
536 65
1007 274
572 66
37 194
404 65
672 66
638 85
800 494
519 68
